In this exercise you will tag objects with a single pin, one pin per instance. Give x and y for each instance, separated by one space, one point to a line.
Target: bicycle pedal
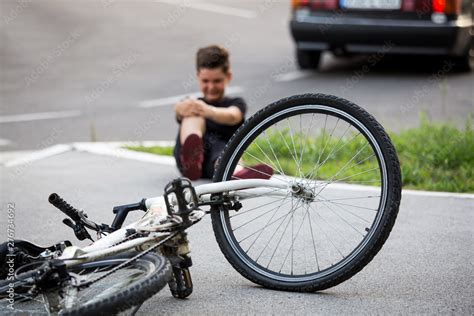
181 285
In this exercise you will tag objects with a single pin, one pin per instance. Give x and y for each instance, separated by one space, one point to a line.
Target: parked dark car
424 27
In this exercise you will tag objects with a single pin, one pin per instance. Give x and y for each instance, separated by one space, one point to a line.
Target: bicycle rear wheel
127 287
344 193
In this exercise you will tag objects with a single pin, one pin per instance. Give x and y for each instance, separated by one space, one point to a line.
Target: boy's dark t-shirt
221 131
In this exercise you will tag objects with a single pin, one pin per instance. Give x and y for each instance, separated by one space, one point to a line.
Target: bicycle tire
250 139
146 276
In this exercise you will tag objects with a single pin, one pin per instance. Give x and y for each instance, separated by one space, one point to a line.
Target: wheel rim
244 244
119 280
124 277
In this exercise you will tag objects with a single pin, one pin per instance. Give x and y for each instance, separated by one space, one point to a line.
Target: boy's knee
193 120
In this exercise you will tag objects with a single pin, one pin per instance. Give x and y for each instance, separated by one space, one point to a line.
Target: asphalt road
82 71
425 267
106 70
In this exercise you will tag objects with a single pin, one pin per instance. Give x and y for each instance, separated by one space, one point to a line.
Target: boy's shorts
213 147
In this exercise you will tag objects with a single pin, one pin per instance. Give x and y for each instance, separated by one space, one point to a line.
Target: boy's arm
231 115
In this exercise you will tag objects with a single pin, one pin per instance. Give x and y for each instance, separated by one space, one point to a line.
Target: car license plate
372 4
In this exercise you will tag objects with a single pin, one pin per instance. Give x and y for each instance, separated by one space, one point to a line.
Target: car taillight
296 4
409 5
439 6
447 6
315 4
324 4
432 6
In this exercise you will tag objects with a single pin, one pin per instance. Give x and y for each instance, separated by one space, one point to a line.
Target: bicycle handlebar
64 207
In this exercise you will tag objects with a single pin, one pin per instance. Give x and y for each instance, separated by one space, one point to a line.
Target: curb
115 149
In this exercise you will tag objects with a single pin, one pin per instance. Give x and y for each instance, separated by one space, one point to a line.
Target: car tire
308 59
462 63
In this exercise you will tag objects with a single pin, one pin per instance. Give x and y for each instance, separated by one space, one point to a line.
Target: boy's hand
203 109
186 108
192 107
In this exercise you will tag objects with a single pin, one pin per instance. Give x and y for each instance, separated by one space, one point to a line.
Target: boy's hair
213 56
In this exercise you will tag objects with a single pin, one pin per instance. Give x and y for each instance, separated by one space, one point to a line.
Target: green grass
437 157
433 156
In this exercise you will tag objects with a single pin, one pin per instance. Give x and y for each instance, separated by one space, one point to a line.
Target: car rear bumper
372 35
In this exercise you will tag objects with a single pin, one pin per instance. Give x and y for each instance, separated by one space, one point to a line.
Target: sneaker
192 157
260 171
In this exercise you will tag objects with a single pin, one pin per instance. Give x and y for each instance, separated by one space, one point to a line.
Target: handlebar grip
64 207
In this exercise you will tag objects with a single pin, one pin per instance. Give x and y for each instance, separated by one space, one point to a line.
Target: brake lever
79 229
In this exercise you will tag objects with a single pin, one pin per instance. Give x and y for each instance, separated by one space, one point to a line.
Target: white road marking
355 187
38 116
6 156
174 99
214 8
135 143
38 155
294 75
5 142
437 194
119 152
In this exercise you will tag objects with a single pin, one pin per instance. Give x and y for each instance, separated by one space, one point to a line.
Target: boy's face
212 82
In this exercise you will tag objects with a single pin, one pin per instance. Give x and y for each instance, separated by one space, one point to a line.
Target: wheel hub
302 192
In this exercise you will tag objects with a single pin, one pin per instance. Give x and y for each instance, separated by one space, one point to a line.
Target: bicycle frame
114 243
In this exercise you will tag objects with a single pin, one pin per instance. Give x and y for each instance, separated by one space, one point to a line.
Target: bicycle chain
123 264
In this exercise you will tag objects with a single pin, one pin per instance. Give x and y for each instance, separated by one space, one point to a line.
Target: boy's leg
192 125
189 151
213 147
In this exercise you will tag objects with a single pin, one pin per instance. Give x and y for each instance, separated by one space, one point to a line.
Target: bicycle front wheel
108 294
344 193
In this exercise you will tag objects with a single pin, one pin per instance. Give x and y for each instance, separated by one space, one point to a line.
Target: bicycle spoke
255 208
343 168
331 226
294 148
255 232
311 173
286 144
344 209
258 171
274 155
278 168
355 198
357 174
292 246
326 235
305 139
331 151
356 206
358 181
279 241
276 230
266 225
312 238
248 222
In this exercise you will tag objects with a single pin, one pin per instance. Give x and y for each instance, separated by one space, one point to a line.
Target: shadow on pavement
391 64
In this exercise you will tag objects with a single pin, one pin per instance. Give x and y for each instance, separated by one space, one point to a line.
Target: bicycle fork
177 249
181 285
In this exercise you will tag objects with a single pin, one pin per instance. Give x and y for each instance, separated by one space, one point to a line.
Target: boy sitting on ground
207 123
